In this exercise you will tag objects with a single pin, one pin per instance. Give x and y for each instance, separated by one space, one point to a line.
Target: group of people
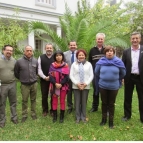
70 72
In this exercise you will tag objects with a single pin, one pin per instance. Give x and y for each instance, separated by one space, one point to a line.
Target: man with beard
8 85
44 62
95 54
70 57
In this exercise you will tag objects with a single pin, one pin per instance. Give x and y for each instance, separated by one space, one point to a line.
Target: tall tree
86 23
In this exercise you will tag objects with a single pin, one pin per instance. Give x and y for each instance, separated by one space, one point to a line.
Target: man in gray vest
8 85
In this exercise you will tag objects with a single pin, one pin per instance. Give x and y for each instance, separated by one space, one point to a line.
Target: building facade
46 11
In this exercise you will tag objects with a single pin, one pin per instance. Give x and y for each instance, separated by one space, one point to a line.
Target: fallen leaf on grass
71 136
27 137
74 139
105 127
127 127
79 137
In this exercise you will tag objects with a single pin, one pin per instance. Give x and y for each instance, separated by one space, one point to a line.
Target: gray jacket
67 55
26 70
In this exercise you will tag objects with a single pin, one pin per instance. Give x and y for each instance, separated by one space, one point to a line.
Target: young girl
59 76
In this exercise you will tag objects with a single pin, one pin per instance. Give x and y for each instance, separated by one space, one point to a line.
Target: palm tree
85 24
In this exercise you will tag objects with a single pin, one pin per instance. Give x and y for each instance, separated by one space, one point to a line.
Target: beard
49 52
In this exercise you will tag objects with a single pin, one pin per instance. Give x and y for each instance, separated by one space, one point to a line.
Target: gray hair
100 34
28 46
49 44
136 33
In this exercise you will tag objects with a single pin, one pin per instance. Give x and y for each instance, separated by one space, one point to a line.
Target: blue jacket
109 73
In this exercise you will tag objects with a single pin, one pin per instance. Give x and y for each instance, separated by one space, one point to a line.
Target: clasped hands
58 85
81 86
47 78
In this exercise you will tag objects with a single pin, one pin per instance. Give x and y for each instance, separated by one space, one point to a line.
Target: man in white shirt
44 62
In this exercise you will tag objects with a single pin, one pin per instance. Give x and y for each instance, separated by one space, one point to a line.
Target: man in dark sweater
26 70
8 85
44 62
94 55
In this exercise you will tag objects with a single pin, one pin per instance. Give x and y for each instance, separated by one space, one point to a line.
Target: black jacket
26 70
126 58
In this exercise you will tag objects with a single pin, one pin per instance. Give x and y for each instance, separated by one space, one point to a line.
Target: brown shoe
23 119
45 114
14 121
2 125
34 117
77 121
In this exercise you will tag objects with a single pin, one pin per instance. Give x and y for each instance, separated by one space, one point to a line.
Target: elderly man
8 85
95 54
26 70
44 62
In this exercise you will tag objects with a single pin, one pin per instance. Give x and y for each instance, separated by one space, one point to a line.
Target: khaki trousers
26 91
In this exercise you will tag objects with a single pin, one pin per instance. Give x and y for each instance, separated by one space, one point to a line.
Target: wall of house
59 5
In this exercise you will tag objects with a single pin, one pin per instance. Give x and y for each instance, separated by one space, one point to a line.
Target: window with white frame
46 3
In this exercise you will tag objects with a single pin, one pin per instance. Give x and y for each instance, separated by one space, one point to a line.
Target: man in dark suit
70 57
133 60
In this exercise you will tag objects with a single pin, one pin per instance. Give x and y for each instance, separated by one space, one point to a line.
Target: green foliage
43 129
136 11
86 23
12 30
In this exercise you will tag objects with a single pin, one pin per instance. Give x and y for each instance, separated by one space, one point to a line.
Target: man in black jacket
26 70
133 60
94 55
44 62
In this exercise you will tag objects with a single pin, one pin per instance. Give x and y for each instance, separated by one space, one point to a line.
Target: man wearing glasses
8 85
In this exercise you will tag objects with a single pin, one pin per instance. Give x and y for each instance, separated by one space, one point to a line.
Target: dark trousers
128 93
45 92
69 95
108 98
95 102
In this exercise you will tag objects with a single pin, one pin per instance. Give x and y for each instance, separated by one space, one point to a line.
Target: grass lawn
43 128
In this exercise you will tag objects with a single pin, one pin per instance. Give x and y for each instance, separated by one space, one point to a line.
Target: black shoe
2 125
14 121
34 117
125 118
93 110
103 122
62 116
51 112
69 110
23 119
111 125
54 116
45 114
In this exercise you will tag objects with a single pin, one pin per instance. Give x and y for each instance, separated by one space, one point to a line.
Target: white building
47 11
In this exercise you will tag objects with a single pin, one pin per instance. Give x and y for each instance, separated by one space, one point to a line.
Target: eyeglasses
9 50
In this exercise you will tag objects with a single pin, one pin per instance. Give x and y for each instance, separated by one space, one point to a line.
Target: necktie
72 57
